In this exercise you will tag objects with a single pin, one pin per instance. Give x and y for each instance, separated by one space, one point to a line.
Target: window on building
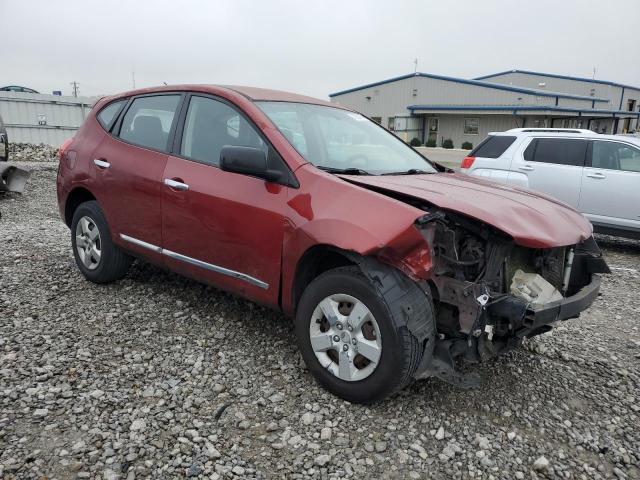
615 156
108 113
391 123
210 125
148 121
471 126
562 151
493 146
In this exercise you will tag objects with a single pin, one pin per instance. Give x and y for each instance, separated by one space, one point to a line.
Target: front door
129 172
220 227
611 184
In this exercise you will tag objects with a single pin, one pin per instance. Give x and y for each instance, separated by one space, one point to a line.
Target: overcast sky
309 47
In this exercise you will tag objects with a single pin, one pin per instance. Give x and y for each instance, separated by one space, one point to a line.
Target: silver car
598 175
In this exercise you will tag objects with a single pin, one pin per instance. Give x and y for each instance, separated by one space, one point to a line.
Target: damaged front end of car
491 293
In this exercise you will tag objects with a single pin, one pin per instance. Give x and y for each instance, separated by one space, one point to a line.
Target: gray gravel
160 377
21 152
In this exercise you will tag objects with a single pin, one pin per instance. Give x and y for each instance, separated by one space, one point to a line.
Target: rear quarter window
493 146
107 115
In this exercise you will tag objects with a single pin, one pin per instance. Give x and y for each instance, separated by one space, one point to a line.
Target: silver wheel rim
345 337
88 244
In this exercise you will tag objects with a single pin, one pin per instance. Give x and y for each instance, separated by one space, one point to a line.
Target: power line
76 88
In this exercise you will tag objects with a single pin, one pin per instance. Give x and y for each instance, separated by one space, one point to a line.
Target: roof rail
551 130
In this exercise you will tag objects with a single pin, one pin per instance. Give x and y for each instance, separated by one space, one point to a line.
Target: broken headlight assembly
490 293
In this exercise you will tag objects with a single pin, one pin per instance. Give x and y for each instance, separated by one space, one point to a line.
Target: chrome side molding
140 243
196 262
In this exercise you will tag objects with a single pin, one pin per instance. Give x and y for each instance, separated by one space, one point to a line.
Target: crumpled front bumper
532 319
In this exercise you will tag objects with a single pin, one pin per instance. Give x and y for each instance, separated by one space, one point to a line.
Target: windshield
338 140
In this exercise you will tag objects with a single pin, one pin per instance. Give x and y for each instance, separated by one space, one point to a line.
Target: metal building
433 108
40 118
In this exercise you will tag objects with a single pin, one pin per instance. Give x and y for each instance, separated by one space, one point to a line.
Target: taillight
63 148
467 162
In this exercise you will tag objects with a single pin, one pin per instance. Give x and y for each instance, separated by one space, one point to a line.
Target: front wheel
351 340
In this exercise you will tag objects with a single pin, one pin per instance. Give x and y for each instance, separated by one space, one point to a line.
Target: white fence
40 118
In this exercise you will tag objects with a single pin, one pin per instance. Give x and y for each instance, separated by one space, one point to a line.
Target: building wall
452 126
39 118
392 99
618 96
553 84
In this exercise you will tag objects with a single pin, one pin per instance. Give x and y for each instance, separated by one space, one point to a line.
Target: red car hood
532 219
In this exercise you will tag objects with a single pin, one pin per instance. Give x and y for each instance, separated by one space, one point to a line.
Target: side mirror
247 161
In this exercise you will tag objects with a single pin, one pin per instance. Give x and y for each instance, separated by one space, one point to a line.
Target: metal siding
452 126
393 98
576 87
64 115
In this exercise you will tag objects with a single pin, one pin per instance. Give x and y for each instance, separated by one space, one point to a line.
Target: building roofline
516 108
555 75
477 83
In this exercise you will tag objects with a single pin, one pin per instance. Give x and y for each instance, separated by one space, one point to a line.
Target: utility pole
76 88
594 74
415 69
133 79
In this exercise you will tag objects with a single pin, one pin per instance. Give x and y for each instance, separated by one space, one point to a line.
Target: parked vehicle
599 175
12 178
394 267
17 88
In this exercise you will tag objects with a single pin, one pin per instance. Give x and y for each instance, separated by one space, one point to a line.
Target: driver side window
211 125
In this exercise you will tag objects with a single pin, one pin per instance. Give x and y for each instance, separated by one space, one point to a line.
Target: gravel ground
160 377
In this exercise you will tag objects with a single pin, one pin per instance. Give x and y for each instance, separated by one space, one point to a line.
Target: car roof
565 133
254 94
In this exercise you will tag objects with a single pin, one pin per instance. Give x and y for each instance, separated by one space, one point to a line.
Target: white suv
598 175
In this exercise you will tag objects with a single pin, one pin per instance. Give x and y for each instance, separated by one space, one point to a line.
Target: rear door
128 167
554 166
611 184
221 227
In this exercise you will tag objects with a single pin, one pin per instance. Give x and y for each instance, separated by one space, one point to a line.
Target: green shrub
467 146
415 142
430 143
447 143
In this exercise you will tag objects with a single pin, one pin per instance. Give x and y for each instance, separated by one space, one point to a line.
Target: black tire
401 351
114 263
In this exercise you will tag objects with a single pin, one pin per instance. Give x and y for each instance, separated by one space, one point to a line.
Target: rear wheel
99 260
351 341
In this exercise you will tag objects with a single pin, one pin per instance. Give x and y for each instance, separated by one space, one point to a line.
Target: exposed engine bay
490 294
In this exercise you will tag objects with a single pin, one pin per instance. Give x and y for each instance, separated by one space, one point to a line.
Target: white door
554 166
611 184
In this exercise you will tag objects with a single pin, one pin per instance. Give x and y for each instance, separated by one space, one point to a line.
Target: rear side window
493 146
615 156
148 121
108 113
210 125
561 151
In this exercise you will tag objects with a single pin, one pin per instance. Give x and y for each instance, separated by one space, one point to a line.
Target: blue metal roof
519 108
477 83
554 75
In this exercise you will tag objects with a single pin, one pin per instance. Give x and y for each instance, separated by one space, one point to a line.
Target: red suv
394 267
